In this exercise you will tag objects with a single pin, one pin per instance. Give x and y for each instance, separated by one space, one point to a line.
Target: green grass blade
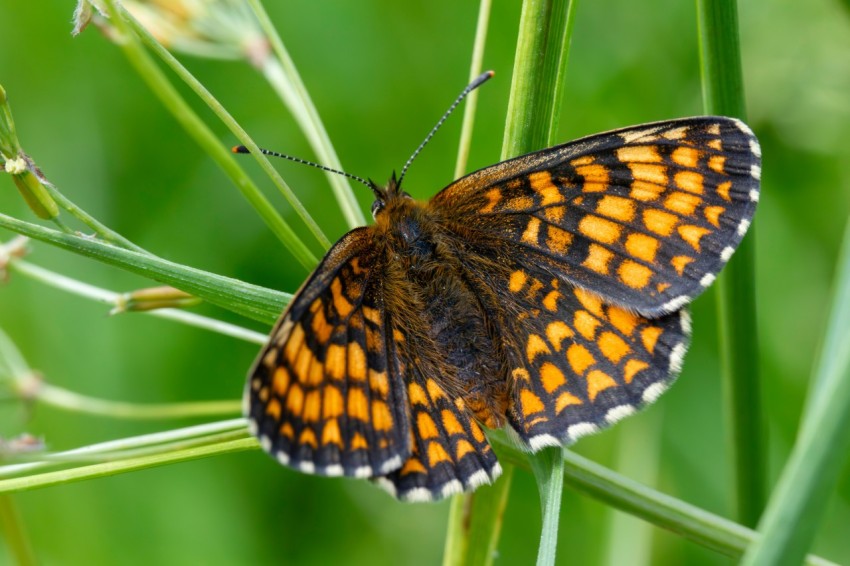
475 519
532 115
723 94
243 298
700 526
799 501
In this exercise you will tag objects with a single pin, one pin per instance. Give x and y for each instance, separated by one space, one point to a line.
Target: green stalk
61 398
799 501
723 94
471 103
285 79
243 298
113 299
202 134
475 519
540 64
228 121
609 487
106 469
12 526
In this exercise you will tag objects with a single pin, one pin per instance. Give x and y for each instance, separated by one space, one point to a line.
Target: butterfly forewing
324 396
644 217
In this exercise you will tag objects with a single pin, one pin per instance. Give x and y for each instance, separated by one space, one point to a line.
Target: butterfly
546 294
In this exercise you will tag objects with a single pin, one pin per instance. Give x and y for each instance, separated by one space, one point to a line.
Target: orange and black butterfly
546 293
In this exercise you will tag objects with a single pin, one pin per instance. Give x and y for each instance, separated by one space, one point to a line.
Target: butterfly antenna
243 149
482 78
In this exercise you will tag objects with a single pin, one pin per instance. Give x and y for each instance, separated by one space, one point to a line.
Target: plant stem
284 78
231 124
112 298
243 298
723 94
471 103
199 131
106 469
542 49
99 228
798 502
700 526
12 526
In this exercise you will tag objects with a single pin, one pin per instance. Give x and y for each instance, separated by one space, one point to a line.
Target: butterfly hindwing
322 396
450 453
644 216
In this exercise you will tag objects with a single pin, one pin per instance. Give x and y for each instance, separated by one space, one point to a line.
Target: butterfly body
545 293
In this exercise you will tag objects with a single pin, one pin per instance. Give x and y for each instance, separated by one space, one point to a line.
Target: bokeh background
380 73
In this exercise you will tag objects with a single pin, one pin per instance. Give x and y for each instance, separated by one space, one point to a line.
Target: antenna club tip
239 149
491 73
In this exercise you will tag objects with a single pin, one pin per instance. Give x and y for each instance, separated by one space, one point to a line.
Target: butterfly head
387 195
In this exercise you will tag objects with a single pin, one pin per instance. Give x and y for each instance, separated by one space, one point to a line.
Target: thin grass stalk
607 486
242 298
113 299
539 66
723 94
202 134
799 501
14 533
468 532
297 97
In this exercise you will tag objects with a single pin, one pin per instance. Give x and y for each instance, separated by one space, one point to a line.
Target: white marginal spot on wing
451 488
743 227
542 441
253 427
743 127
727 253
576 431
363 472
677 356
417 494
685 320
754 195
477 479
334 470
755 147
307 467
390 465
283 458
386 485
707 279
495 471
619 413
675 303
755 172
653 392
266 443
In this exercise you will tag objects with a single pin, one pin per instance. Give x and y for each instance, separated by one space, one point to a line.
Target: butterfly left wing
322 396
644 216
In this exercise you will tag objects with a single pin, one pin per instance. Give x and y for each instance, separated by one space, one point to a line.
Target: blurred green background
380 73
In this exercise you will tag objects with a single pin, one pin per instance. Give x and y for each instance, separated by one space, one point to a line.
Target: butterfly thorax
450 331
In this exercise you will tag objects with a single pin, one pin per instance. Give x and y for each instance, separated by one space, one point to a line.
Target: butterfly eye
377 207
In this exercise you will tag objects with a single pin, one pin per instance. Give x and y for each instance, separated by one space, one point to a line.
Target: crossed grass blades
546 292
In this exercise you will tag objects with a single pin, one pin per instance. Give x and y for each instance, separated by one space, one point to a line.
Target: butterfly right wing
322 396
644 217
